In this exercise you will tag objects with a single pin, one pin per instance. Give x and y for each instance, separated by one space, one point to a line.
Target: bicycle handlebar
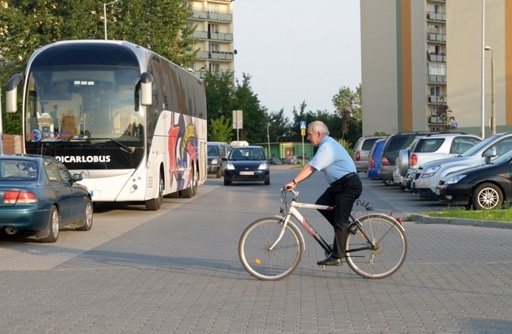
295 192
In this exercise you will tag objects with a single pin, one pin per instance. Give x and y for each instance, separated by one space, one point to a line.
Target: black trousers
342 195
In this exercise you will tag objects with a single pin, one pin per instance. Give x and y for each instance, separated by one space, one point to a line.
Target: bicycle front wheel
377 249
259 260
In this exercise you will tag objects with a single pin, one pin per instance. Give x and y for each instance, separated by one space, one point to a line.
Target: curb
459 221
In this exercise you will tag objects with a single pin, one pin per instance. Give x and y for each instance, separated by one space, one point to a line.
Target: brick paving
177 271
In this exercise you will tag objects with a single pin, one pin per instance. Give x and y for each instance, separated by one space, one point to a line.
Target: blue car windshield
247 153
19 170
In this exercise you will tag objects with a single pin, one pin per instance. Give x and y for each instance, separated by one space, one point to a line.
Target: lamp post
105 15
268 140
493 92
483 67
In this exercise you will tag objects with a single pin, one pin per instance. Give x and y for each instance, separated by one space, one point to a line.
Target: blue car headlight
230 166
215 161
455 179
263 166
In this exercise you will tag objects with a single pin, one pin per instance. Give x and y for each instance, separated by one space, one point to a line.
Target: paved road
177 271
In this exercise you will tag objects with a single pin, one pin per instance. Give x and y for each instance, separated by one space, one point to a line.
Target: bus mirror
11 104
146 88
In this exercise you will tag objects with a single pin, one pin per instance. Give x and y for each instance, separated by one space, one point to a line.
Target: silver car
428 175
362 151
432 147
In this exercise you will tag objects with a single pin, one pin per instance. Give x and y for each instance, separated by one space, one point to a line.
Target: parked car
429 174
394 144
429 148
482 187
216 151
374 162
275 161
246 163
362 150
296 159
38 195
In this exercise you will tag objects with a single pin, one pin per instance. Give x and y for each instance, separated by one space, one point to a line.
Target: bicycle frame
293 212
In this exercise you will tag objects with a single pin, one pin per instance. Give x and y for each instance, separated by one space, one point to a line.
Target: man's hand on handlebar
290 186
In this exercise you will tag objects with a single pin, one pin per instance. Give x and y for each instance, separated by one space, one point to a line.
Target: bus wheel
155 203
192 187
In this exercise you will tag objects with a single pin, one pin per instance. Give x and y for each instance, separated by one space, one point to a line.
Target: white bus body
130 121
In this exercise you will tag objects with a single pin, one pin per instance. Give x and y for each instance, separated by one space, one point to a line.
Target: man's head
317 131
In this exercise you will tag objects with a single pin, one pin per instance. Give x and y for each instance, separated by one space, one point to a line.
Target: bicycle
271 248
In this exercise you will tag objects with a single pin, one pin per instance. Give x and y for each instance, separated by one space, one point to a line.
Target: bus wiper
124 147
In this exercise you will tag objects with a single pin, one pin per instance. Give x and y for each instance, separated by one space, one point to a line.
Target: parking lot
177 270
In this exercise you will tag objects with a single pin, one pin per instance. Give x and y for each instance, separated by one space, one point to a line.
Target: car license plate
246 173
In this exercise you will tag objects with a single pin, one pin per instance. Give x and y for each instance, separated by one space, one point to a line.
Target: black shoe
330 261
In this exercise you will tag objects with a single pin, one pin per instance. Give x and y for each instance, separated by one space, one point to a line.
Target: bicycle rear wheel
389 248
265 264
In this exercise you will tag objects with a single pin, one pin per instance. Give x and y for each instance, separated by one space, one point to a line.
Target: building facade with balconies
424 66
214 35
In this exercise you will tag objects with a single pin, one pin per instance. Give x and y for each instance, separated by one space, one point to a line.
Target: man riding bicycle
345 186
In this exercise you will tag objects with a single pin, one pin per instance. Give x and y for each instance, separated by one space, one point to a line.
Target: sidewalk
425 219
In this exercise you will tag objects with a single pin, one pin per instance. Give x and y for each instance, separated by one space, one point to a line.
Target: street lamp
493 92
105 15
268 139
483 70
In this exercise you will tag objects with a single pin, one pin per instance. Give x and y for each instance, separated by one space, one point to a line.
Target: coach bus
132 123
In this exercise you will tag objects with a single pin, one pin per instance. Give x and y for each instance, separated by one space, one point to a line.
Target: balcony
217 37
221 37
212 16
435 99
220 17
436 38
215 55
440 17
221 1
436 79
440 58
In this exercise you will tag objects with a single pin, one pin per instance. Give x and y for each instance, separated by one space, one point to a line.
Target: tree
346 99
220 129
348 108
163 29
279 125
255 116
219 95
30 24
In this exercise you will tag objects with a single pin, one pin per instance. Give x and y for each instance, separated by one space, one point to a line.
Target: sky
297 50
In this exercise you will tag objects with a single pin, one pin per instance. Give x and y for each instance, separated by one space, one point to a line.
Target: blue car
374 162
38 195
246 164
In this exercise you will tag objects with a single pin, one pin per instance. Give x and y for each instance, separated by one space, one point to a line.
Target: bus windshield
68 103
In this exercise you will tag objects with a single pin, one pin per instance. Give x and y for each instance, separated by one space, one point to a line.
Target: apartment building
214 34
427 65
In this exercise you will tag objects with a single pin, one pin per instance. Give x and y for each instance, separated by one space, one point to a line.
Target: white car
428 175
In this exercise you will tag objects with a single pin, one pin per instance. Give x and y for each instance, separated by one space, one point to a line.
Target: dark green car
38 195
